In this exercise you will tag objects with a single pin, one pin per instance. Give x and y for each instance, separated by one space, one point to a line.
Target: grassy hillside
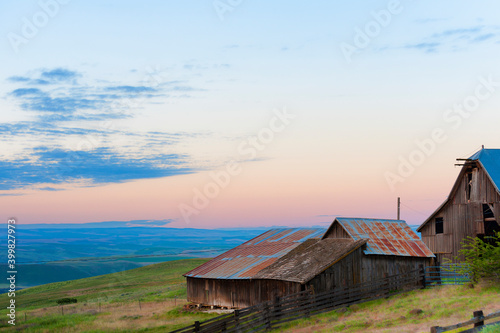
142 299
441 306
107 302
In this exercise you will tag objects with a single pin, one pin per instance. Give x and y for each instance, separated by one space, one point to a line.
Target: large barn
285 261
471 209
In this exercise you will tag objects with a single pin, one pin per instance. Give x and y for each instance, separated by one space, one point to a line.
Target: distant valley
47 253
52 253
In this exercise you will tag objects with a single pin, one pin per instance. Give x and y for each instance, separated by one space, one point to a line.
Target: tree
482 257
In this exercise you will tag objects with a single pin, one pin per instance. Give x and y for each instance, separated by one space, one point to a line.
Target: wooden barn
286 261
471 209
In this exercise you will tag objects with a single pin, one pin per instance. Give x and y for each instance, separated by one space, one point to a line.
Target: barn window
439 225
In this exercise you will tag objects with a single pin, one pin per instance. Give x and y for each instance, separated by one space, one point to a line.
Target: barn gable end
471 209
384 237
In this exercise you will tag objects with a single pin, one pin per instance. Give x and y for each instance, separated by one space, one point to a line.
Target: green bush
482 257
63 301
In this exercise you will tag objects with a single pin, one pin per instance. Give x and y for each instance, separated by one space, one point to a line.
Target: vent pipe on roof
399 207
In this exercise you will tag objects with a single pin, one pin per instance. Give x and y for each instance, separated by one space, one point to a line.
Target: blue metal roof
490 160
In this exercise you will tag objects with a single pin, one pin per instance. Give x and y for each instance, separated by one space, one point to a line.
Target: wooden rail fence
447 274
478 321
272 314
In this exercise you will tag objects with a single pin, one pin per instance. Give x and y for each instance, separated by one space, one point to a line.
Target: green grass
118 294
148 283
441 306
491 329
156 285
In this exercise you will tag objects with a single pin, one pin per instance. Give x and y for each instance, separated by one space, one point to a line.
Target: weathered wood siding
353 269
344 273
358 268
337 232
462 216
376 267
237 293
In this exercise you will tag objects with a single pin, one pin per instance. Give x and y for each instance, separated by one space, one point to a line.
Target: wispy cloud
104 224
62 107
45 77
59 75
58 96
456 39
51 189
90 168
462 32
427 47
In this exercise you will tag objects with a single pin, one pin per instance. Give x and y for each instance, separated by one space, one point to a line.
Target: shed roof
489 160
385 237
247 259
309 259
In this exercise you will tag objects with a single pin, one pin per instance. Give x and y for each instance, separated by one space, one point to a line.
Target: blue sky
98 93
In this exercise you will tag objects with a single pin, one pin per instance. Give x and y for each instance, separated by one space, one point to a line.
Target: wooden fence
478 321
446 274
272 314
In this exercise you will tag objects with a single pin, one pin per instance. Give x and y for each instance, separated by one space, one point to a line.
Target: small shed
471 209
229 279
286 261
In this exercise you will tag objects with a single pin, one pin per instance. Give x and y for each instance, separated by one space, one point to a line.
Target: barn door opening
468 188
491 226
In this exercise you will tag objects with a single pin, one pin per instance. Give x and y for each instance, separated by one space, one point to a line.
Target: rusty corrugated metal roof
387 237
246 260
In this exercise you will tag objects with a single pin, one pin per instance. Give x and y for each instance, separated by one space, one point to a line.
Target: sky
233 113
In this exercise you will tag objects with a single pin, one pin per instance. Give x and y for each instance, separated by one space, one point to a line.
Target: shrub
67 300
482 257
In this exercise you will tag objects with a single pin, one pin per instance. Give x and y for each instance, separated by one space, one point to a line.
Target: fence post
439 282
277 307
266 315
479 314
236 318
196 326
422 271
309 301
